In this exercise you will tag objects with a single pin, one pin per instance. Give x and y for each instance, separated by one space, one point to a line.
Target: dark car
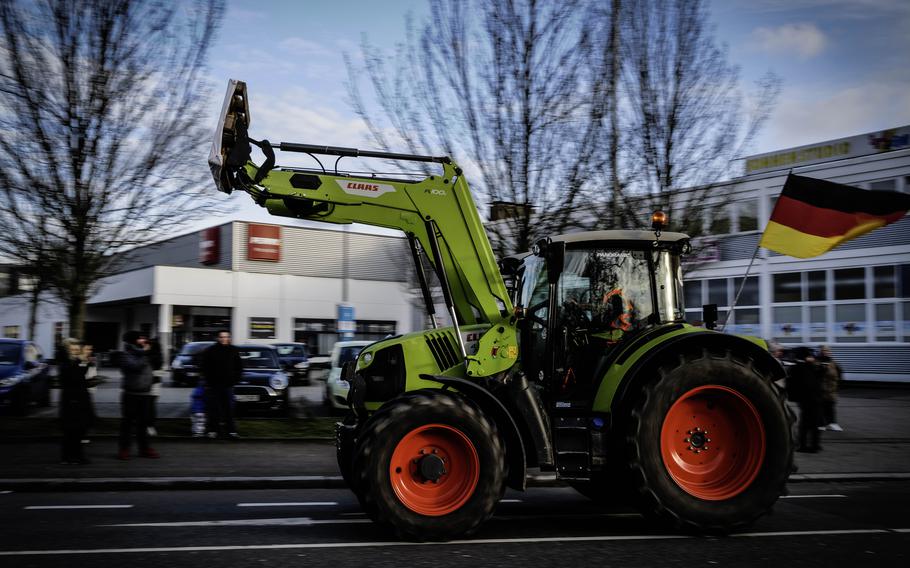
185 366
295 358
24 376
264 385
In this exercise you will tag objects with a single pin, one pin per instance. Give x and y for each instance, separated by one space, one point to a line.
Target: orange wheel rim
713 442
434 470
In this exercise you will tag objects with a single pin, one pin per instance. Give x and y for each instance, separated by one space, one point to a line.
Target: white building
265 283
855 298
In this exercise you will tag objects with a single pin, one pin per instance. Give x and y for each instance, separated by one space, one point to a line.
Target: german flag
812 216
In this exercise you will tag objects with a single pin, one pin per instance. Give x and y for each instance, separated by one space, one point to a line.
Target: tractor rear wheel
431 465
709 443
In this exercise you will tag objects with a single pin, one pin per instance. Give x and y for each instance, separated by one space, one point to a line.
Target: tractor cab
582 296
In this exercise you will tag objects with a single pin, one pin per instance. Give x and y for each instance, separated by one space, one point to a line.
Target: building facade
855 298
265 283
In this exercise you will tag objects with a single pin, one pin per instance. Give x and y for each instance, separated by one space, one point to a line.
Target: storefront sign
862 145
263 242
346 324
262 328
210 245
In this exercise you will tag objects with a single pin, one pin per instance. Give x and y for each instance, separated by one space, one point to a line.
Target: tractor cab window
669 283
605 293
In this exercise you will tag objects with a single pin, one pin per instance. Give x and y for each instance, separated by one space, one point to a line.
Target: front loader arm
440 204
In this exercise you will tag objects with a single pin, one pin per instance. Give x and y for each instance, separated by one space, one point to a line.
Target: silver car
336 388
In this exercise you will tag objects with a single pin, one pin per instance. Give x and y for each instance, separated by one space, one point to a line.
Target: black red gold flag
812 216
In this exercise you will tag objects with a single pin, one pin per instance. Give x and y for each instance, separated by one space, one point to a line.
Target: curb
319 482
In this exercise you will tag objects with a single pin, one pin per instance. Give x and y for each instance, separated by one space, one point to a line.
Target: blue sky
844 64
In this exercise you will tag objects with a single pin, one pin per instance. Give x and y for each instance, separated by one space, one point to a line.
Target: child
197 410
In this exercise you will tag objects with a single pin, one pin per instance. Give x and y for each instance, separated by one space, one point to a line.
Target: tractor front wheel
431 465
710 444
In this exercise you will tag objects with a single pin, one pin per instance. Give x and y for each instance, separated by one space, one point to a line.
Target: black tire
744 500
402 417
19 404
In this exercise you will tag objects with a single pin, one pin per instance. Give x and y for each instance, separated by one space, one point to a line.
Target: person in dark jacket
805 381
75 403
137 388
832 378
222 369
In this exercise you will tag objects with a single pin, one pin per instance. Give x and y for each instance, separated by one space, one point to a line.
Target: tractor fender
505 422
649 357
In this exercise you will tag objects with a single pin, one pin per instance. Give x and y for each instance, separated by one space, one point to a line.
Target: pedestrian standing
75 403
156 360
134 402
830 384
804 383
222 369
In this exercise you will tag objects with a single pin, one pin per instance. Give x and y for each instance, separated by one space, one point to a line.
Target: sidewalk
874 445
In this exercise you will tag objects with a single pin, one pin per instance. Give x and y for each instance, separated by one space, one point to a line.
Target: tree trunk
34 300
76 312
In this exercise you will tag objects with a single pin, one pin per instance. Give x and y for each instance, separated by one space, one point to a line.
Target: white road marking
5 492
810 496
291 504
353 514
36 507
280 521
510 501
529 540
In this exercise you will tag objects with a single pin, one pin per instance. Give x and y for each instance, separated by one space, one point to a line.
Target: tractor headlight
278 381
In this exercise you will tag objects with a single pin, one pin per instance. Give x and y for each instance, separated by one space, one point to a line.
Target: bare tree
503 86
681 112
103 129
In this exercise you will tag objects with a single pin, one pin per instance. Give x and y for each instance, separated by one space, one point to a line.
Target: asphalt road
849 524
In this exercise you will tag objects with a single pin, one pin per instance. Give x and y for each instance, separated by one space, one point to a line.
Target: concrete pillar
164 331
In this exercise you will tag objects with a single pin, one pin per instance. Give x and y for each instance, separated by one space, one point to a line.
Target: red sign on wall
210 245
263 242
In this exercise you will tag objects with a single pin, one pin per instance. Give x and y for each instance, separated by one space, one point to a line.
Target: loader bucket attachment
231 146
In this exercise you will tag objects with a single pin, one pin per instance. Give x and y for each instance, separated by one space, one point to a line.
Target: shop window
748 215
850 284
747 321
850 323
787 287
905 282
717 291
884 184
788 324
720 221
749 295
693 293
905 323
818 324
885 324
11 331
884 281
815 285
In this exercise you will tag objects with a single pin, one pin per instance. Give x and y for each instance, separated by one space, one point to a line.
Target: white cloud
804 40
299 46
807 117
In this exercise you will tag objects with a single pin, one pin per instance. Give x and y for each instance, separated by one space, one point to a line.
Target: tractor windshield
606 291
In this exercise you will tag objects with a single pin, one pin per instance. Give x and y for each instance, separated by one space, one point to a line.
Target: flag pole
741 286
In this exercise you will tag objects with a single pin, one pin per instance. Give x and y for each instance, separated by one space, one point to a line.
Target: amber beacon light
658 220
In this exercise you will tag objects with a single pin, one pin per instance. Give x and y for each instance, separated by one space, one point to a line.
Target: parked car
336 388
24 376
264 385
294 358
185 366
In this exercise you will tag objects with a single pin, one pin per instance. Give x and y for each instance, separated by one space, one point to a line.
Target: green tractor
583 366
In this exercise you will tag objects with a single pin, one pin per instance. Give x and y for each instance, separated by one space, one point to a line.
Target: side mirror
709 315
